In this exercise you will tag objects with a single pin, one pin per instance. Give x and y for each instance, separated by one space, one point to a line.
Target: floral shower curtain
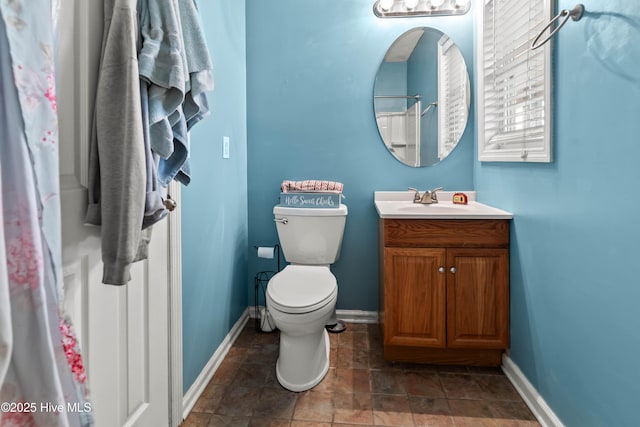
42 379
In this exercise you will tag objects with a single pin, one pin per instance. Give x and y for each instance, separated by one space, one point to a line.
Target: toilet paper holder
264 322
267 252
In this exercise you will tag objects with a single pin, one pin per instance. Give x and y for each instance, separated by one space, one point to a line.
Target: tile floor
360 389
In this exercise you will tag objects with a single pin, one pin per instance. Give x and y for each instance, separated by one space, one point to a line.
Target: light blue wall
575 328
214 205
310 72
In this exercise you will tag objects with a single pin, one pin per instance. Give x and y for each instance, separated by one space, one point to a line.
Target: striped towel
311 185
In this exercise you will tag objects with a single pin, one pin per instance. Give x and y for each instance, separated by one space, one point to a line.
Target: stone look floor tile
514 410
428 412
263 422
430 420
352 381
392 410
238 401
516 423
275 403
360 389
226 421
333 357
352 358
263 354
196 419
496 387
355 340
252 375
425 383
210 398
314 406
226 371
428 406
472 413
295 423
376 360
353 408
246 338
460 386
328 382
486 370
388 382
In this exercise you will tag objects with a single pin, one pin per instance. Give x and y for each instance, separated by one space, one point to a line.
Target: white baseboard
191 396
546 417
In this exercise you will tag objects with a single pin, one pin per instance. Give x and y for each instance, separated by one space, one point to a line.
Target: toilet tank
311 236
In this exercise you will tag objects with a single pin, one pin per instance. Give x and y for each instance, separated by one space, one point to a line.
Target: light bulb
460 4
436 3
410 4
385 4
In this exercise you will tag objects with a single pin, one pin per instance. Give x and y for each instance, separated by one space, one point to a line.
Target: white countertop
399 205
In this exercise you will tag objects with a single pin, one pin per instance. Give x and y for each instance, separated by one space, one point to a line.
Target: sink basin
399 204
441 208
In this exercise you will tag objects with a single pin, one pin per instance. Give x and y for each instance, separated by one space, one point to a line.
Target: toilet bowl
301 299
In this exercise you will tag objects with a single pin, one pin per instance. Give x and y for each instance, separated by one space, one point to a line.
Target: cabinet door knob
453 269
441 269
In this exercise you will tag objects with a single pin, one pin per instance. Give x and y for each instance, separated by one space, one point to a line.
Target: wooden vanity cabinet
444 290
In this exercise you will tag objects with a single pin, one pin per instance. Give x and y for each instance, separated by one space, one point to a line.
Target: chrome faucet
427 198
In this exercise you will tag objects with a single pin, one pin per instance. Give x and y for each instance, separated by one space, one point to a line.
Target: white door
123 331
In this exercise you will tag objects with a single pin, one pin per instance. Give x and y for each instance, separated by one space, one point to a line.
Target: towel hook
575 14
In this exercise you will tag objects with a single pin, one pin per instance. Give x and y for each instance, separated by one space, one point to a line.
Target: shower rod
398 96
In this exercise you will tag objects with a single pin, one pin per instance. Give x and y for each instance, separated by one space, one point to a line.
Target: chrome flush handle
282 220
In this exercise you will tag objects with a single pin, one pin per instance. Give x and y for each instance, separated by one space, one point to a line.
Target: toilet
301 299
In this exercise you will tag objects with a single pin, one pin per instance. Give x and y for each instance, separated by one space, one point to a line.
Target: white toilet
301 298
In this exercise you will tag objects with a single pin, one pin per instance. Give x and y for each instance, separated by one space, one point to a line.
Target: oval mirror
421 97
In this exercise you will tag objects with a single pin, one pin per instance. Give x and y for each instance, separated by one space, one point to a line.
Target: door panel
477 298
123 331
414 297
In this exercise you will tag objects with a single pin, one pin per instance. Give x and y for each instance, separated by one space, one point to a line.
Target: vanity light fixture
409 8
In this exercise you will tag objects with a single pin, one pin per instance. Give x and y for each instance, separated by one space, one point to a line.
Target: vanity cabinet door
477 298
414 295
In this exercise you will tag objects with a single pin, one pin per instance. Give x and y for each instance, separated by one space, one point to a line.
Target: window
514 82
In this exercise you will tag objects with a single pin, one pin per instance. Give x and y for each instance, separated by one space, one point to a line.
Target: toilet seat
302 289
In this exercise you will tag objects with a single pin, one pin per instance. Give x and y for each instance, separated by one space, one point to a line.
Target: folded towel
312 185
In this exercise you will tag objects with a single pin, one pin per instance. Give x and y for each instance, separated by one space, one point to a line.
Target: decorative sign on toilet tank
310 200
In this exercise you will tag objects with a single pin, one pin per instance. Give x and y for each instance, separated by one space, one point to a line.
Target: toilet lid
302 288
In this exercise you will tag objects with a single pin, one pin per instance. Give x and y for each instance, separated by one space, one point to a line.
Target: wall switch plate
225 147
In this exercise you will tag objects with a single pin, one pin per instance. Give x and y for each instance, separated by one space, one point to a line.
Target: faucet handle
432 194
416 195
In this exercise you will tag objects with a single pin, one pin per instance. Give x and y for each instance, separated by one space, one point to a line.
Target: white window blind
514 91
453 87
